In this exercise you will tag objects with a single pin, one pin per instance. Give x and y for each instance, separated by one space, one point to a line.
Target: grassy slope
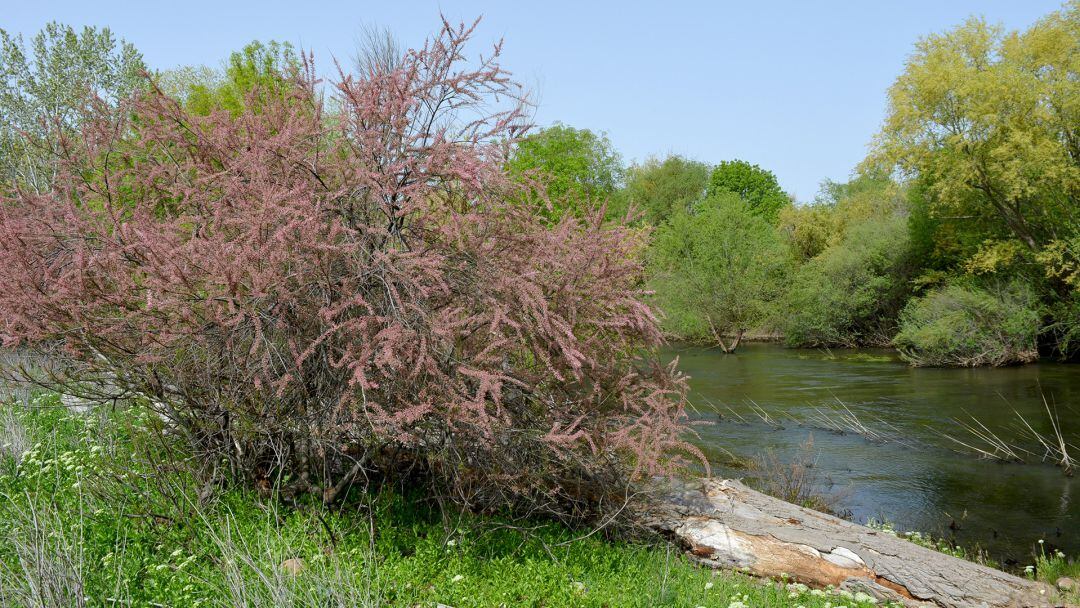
90 509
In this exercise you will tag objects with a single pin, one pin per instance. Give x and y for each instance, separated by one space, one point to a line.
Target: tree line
956 241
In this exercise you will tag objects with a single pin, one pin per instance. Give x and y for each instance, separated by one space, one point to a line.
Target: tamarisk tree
326 296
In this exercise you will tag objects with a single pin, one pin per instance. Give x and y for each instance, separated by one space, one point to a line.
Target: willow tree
716 271
986 124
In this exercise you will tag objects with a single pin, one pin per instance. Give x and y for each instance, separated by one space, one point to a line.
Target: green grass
1051 566
95 511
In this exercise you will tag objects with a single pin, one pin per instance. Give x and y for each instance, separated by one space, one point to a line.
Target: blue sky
796 86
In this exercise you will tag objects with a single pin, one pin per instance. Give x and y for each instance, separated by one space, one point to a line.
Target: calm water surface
907 471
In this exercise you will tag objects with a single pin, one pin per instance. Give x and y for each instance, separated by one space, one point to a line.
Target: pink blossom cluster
346 270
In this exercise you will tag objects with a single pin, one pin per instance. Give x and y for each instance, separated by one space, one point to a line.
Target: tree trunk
738 339
722 523
718 337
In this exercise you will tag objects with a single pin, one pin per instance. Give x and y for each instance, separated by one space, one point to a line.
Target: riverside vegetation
379 341
956 240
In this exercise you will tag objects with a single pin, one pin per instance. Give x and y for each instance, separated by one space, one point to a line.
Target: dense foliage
967 325
717 271
757 186
974 180
575 170
319 298
851 293
658 189
985 125
990 120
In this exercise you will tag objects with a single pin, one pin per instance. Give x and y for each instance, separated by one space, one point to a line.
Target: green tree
579 169
985 124
51 84
716 270
250 75
991 122
660 188
851 293
757 186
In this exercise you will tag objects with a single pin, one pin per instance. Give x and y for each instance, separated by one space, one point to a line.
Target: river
896 463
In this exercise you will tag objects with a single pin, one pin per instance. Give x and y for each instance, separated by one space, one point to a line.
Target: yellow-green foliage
1061 261
250 74
995 256
813 228
989 120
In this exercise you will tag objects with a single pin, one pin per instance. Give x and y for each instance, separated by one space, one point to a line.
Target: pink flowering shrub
323 289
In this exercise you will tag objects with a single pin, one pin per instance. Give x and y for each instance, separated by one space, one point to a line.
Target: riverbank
90 508
881 438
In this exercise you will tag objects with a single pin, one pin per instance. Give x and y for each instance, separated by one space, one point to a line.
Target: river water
881 441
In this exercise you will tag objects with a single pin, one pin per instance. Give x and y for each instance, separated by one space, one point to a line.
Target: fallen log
724 524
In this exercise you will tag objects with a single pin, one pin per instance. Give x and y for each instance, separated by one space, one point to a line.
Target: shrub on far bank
963 325
851 293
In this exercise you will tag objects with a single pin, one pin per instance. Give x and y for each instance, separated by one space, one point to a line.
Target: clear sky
795 86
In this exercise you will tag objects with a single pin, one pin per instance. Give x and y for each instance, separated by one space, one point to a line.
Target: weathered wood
722 523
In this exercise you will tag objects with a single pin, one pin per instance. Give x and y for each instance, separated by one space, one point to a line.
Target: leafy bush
310 299
965 325
851 293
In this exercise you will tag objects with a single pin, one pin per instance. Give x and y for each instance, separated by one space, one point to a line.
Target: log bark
724 524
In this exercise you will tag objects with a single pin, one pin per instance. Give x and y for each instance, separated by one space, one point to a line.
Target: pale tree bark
724 524
718 337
